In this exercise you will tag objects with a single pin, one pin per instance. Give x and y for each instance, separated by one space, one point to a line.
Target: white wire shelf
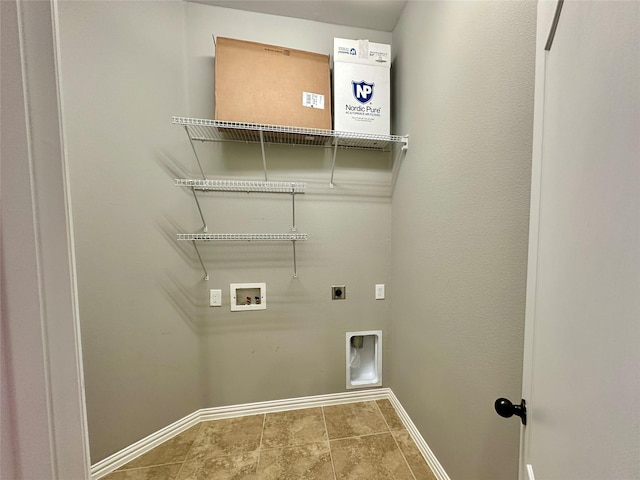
247 237
220 131
241 186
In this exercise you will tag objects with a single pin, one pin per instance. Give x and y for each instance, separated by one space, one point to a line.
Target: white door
582 336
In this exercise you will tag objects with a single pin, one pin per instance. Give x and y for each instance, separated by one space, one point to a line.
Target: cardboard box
267 84
361 86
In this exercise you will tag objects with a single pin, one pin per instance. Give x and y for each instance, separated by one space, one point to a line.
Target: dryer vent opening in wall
364 359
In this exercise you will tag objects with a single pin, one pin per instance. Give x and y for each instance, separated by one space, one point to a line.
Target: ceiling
373 14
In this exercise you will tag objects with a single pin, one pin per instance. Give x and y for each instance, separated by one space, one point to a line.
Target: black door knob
506 409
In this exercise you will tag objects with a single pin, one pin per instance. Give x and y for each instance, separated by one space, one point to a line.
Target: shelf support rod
186 129
204 223
398 161
295 269
264 157
293 207
206 274
333 163
293 227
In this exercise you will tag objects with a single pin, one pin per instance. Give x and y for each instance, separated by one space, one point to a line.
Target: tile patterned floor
355 441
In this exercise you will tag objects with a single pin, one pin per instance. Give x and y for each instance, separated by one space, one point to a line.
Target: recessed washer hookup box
361 86
273 85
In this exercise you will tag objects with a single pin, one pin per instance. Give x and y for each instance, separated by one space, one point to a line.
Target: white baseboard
133 451
218 413
426 452
113 462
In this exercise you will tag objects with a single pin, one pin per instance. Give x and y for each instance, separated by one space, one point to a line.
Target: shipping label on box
361 51
361 88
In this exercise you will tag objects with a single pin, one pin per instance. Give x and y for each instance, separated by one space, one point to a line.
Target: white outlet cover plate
215 298
380 291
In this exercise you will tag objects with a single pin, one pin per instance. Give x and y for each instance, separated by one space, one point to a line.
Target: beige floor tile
373 457
390 415
297 427
233 467
367 441
354 419
160 472
220 438
413 456
171 451
304 462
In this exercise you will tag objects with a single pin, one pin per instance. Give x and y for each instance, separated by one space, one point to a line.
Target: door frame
544 25
47 323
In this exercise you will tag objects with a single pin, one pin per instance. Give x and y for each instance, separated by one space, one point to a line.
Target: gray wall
463 75
153 350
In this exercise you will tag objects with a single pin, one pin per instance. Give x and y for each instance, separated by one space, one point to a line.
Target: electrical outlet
380 291
338 292
215 298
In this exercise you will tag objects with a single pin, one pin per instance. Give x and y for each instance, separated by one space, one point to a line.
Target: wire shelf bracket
195 152
204 222
264 157
206 274
402 152
333 162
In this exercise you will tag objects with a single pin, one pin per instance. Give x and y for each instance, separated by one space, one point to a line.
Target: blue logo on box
352 51
363 91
